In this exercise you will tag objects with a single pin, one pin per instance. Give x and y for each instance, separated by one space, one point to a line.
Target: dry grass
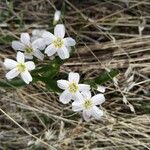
110 34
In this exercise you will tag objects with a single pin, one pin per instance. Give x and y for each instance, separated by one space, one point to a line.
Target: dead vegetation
110 34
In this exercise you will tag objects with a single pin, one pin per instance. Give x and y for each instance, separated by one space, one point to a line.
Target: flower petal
98 99
28 56
86 115
96 113
86 94
16 45
62 84
77 96
9 63
30 65
12 74
84 87
73 77
50 50
69 41
26 76
48 37
59 30
25 38
101 88
63 53
38 54
65 97
38 44
77 106
20 57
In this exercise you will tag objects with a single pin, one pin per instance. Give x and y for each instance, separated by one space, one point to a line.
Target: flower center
28 50
58 42
88 104
73 87
21 67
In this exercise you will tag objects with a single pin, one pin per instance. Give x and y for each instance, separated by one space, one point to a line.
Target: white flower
57 42
19 67
101 88
29 48
87 104
71 88
57 16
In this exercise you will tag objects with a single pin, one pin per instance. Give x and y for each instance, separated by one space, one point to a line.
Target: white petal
86 115
28 56
63 84
65 97
26 76
25 38
101 88
50 50
77 96
73 77
20 57
9 63
97 113
57 15
63 53
38 44
98 99
69 41
77 106
86 94
30 65
12 74
16 45
84 87
59 30
38 54
48 37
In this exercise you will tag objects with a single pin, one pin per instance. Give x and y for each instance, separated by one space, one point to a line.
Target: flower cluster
33 47
81 95
44 42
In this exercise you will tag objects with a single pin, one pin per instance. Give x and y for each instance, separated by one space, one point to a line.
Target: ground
110 34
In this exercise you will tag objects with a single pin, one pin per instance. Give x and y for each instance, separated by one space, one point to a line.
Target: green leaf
103 78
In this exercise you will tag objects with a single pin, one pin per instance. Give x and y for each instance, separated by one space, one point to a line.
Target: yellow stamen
58 42
21 67
73 87
88 104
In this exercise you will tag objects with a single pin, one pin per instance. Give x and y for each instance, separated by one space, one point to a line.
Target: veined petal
69 41
16 45
12 74
59 30
86 94
78 96
25 38
26 76
50 50
9 63
98 99
30 65
96 113
48 37
73 77
84 87
65 97
28 56
20 57
38 44
63 53
87 115
38 54
77 106
63 84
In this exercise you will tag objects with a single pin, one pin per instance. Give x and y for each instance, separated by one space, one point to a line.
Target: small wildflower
57 42
71 88
101 88
19 67
57 16
88 105
29 48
